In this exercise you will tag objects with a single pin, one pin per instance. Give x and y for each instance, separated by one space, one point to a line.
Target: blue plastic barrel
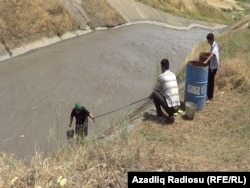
196 84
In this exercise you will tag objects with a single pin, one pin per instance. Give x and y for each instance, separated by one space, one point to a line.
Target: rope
120 108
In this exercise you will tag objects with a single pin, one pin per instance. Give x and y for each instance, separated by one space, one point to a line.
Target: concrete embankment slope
3 53
134 12
74 6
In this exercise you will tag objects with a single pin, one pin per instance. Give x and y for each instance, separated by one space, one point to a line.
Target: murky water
104 70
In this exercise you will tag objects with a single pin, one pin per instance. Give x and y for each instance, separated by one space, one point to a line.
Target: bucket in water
190 109
70 134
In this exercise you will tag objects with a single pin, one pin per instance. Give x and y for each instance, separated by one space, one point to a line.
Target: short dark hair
165 63
210 36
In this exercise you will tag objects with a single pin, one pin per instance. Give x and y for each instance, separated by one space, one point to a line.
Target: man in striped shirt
166 92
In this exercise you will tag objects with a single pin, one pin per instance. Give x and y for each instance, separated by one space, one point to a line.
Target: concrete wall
134 11
3 53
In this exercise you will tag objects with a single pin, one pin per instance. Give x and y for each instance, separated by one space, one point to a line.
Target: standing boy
214 60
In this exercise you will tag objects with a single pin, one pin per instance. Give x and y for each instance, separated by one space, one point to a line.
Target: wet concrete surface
104 70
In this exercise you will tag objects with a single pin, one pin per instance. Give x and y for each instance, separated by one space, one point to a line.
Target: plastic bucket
190 109
70 134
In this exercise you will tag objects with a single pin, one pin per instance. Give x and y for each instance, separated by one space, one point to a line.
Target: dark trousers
82 129
210 84
160 102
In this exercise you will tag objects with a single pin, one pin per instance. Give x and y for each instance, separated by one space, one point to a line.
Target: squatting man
166 93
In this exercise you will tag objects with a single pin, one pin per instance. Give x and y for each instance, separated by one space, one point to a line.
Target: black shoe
160 119
171 119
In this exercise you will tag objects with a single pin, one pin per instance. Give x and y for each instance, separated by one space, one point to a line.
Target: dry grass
235 66
102 14
195 9
231 79
24 21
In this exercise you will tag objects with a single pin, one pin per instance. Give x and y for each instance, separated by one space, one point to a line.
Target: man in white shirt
214 61
166 92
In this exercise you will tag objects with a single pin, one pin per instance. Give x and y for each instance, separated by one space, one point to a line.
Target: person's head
210 38
78 107
164 65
